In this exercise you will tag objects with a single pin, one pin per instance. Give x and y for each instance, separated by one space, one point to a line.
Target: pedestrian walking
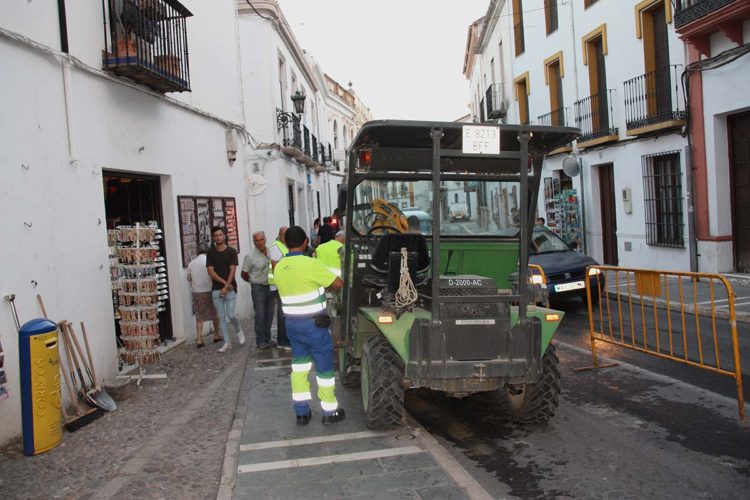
314 233
276 252
203 306
255 271
301 282
221 262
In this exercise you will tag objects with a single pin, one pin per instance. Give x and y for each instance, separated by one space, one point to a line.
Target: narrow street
638 430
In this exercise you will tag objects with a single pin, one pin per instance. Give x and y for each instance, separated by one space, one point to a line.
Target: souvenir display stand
138 296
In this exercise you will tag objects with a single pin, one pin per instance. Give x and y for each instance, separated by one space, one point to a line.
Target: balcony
146 41
594 115
298 142
654 101
557 118
687 11
496 107
696 20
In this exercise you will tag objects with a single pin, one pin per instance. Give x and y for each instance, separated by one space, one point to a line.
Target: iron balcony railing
654 98
146 41
496 107
296 135
556 118
595 116
306 140
315 149
687 11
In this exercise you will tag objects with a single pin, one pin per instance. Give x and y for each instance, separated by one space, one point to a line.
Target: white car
458 211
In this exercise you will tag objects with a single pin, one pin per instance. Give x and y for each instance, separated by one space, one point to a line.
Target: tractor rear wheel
382 384
535 403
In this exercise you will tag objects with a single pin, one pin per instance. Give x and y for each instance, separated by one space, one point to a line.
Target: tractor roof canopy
406 146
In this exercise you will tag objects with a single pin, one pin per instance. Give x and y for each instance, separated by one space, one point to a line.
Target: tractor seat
386 259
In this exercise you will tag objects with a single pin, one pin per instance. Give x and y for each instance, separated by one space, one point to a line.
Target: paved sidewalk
700 296
272 457
167 440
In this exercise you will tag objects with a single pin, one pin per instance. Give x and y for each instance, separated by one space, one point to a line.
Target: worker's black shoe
334 417
304 419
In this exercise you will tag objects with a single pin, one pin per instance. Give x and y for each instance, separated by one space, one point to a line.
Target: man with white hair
255 271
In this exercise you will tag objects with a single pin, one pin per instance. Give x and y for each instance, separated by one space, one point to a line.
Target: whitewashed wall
623 62
724 93
53 211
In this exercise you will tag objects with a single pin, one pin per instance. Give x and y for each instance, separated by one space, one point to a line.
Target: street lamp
283 117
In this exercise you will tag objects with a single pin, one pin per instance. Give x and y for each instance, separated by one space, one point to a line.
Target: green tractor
432 300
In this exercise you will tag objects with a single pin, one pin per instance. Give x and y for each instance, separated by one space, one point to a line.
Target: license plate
566 287
481 140
475 321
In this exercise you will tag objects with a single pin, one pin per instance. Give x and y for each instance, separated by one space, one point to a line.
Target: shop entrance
740 174
131 199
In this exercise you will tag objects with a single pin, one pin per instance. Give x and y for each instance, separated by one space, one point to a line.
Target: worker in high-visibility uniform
330 253
302 281
276 252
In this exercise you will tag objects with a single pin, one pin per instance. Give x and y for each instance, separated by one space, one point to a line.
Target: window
594 50
550 15
662 196
553 77
282 82
518 27
652 17
522 96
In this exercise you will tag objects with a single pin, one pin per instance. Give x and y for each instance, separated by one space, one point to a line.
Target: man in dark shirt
327 231
221 261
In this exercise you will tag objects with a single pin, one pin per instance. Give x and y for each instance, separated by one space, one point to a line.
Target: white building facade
612 69
124 125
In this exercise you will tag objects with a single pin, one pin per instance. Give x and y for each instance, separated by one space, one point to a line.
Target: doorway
609 218
739 147
131 199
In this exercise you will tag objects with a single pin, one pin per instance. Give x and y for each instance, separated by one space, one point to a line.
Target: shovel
97 396
83 395
102 395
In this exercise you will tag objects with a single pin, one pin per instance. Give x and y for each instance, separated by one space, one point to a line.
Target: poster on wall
230 215
204 220
217 212
198 214
188 228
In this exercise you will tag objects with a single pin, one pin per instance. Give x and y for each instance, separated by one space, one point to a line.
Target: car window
545 241
467 208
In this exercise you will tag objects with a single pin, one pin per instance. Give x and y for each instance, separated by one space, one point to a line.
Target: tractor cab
438 224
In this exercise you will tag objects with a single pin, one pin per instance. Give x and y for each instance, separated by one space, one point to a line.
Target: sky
404 57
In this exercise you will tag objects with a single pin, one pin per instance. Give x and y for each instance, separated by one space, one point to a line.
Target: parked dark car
564 267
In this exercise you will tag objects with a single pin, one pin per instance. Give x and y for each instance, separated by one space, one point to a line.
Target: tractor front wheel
535 403
382 384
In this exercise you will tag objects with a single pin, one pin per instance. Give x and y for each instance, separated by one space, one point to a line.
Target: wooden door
740 176
609 218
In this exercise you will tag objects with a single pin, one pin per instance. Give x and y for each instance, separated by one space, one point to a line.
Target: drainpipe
692 239
63 20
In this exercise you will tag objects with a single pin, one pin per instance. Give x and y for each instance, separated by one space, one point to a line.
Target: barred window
662 195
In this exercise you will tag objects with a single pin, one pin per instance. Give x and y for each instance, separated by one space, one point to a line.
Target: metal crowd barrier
686 317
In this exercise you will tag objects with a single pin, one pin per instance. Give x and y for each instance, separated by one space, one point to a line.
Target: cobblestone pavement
167 440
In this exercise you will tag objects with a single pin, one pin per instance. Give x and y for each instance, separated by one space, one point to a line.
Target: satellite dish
255 184
571 167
